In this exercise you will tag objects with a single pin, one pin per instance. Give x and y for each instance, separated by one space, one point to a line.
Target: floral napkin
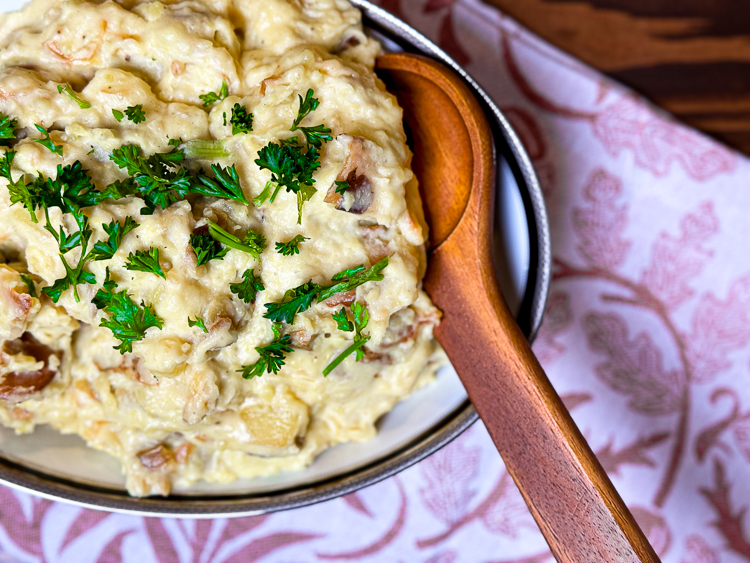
647 338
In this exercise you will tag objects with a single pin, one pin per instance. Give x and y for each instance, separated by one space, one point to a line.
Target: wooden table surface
691 57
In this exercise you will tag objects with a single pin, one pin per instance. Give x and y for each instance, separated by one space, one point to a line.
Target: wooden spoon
573 501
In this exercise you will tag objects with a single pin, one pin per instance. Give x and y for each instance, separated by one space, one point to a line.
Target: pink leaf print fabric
646 337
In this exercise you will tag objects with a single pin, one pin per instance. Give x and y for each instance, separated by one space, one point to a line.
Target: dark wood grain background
691 57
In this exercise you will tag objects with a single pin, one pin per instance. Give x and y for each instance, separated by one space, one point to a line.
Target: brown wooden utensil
573 501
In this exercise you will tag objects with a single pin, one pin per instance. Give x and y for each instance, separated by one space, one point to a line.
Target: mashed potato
205 207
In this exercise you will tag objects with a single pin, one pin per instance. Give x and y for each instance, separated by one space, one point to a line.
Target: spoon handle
570 496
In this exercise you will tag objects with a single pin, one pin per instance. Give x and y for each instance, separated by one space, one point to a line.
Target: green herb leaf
47 142
197 322
291 247
118 114
316 135
127 321
136 114
116 231
145 261
158 179
271 358
212 97
306 106
295 301
7 127
249 287
342 321
353 278
177 142
226 184
29 284
355 347
73 278
206 248
290 168
342 187
66 89
361 318
242 122
253 242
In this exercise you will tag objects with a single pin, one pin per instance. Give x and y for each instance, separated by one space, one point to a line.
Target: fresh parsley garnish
291 167
29 284
158 178
71 191
353 278
7 127
145 261
253 242
225 184
249 287
66 89
116 231
197 322
206 248
291 164
127 321
213 97
136 114
295 301
361 318
317 134
342 321
241 120
291 247
306 106
47 142
342 187
271 356
302 297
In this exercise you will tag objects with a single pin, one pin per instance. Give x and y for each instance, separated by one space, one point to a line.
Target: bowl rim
384 25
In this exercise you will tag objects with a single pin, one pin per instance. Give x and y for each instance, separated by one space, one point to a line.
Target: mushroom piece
19 386
158 458
359 167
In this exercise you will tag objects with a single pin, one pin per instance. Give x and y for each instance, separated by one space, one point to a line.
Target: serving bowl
63 468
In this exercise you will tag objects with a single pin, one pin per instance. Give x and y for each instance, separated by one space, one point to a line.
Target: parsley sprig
241 120
361 317
145 261
253 242
317 134
47 142
116 231
225 184
206 248
342 186
197 322
127 320
249 287
291 247
7 127
291 164
67 90
136 114
213 97
271 356
300 298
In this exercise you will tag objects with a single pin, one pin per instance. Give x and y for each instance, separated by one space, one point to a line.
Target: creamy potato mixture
211 243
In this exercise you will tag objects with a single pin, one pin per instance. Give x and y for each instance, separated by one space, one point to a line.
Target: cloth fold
647 338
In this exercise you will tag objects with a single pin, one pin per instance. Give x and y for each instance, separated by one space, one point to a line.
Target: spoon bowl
570 496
